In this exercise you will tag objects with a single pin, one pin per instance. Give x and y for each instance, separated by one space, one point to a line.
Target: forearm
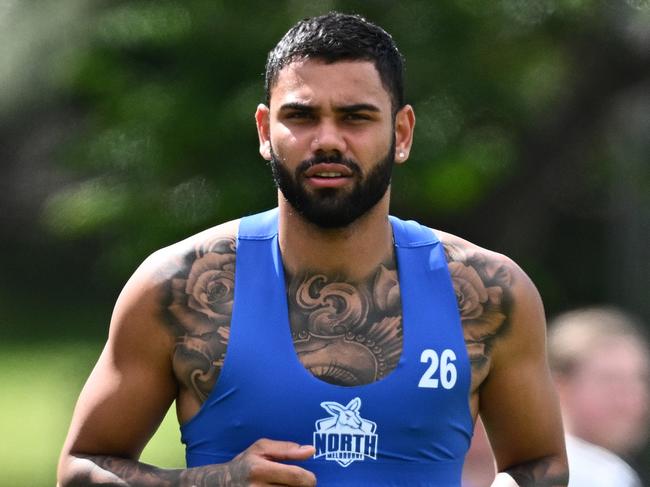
109 471
549 471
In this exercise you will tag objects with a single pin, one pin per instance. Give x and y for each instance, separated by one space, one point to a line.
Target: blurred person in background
599 358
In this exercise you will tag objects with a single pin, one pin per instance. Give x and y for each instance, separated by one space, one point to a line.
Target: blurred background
127 125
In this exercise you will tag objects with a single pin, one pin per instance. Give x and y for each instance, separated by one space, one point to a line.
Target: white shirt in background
593 466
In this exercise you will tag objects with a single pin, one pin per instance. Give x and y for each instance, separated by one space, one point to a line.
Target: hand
258 466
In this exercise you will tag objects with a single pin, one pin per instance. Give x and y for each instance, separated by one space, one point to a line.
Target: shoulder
500 308
489 277
165 263
461 252
151 291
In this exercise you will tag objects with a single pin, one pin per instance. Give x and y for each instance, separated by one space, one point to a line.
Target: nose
328 138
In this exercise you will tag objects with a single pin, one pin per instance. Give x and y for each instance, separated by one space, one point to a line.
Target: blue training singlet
410 428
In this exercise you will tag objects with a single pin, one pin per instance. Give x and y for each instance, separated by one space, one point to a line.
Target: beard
332 208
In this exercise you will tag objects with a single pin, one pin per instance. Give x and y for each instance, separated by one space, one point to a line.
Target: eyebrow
297 106
357 107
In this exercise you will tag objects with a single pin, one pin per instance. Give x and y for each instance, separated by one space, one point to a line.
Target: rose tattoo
482 290
202 297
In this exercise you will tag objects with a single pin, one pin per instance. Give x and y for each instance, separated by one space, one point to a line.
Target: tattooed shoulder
483 283
197 309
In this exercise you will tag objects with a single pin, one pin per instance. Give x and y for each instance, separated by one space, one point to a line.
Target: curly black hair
339 37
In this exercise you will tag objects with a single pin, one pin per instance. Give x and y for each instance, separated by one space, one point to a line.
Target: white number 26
441 369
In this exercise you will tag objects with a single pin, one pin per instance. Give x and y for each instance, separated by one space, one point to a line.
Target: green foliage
170 87
166 90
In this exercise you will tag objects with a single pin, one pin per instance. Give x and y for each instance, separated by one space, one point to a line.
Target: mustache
328 159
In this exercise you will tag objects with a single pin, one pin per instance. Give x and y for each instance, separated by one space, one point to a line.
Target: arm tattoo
123 472
482 288
201 297
347 333
537 473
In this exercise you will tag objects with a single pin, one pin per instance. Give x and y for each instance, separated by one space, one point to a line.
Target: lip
315 181
344 170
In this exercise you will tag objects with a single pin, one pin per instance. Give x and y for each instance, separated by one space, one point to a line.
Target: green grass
39 387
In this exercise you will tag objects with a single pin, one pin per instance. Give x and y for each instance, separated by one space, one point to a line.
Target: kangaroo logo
345 436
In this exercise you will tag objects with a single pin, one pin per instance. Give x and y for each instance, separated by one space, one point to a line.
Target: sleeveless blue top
410 428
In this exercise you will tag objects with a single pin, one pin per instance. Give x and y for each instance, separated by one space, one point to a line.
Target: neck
354 251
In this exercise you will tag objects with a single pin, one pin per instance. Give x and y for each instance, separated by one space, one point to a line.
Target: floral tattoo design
202 296
482 288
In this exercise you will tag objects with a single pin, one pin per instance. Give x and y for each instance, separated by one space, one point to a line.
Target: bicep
518 403
131 386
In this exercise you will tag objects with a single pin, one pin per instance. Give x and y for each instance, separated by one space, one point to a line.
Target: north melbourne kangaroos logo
345 436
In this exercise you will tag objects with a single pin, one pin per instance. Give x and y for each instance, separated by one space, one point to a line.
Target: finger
282 450
273 473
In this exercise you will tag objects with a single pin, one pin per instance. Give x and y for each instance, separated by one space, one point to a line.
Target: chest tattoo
346 333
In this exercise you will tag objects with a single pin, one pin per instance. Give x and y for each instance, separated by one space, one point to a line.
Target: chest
346 333
293 341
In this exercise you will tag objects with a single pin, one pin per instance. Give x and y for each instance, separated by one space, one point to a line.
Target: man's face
331 139
607 398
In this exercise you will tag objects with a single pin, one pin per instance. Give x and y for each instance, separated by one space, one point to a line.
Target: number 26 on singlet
441 370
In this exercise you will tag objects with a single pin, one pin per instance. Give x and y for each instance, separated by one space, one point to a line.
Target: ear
262 121
404 126
331 407
354 404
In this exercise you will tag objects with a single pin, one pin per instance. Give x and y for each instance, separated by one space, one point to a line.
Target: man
322 341
600 361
